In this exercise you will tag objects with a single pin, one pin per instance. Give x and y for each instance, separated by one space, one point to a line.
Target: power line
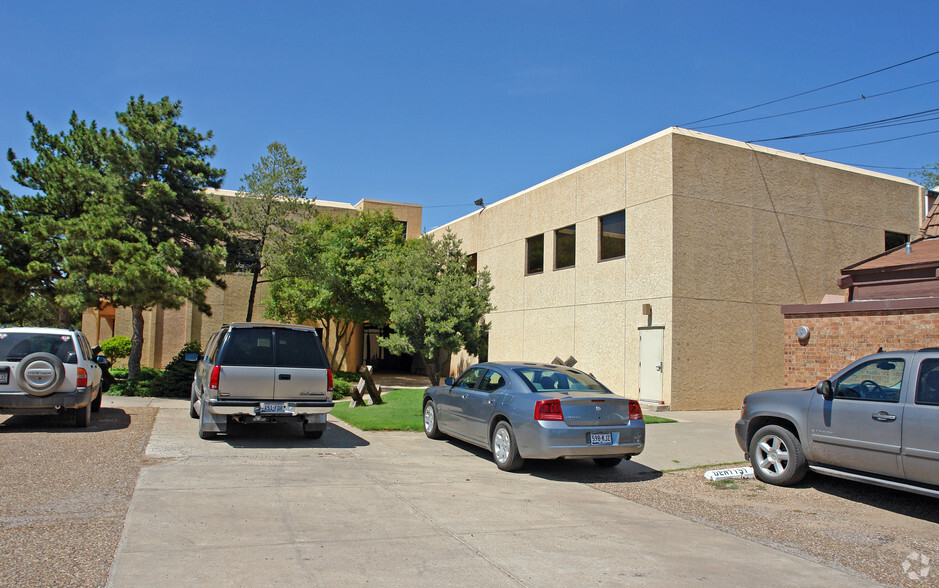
904 119
883 69
863 97
873 143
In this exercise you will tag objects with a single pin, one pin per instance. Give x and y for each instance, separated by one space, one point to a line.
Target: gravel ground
887 536
65 493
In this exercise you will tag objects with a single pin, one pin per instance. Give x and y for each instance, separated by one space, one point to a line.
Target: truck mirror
824 388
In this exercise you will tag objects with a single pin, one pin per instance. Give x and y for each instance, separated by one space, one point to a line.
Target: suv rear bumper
23 403
253 407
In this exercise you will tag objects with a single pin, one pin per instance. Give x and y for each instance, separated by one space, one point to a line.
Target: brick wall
838 338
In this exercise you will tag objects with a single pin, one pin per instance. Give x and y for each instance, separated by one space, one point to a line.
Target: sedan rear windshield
16 346
546 379
267 347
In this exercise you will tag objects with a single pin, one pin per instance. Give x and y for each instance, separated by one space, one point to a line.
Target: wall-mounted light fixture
803 333
479 202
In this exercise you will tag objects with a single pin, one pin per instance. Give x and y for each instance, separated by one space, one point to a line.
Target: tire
777 457
607 462
83 416
430 421
192 405
96 403
505 449
36 384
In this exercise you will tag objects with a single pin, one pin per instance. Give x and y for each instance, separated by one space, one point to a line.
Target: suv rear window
16 346
256 346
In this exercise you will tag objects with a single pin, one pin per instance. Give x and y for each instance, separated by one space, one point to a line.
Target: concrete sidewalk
266 506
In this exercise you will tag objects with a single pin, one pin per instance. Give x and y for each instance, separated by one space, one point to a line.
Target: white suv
48 371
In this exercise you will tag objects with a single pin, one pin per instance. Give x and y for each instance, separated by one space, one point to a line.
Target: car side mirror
191 357
448 381
824 388
101 360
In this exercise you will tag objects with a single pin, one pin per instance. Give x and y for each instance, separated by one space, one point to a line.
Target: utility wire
883 69
915 117
873 143
863 97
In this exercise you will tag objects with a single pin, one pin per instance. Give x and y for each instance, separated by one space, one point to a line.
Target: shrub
341 388
142 387
116 348
176 379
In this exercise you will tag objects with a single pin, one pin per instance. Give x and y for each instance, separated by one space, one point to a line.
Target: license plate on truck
272 407
601 438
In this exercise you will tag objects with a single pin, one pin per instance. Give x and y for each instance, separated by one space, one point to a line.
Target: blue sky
441 103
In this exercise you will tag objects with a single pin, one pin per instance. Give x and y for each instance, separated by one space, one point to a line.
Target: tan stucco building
663 265
167 330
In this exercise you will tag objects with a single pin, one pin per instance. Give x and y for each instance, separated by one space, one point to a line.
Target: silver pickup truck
262 372
875 421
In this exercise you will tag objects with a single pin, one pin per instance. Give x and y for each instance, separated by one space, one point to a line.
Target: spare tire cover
40 374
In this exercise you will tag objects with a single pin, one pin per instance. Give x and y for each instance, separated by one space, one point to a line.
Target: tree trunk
431 368
65 318
254 286
136 343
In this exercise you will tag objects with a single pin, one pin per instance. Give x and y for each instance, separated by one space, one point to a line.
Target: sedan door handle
283 376
883 416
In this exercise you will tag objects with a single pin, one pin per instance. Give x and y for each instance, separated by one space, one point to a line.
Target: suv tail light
548 410
82 378
635 411
213 378
329 380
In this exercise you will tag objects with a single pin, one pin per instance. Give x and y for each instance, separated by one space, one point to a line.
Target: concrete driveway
264 506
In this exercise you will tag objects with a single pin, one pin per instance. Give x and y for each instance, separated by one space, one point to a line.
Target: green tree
70 175
437 302
927 176
266 210
333 274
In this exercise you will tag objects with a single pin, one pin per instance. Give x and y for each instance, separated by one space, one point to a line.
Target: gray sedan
535 411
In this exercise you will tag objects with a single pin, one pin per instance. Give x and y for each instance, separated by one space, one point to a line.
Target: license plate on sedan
601 438
272 407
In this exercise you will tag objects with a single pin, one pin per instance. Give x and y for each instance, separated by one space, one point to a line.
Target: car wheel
430 421
607 462
83 416
504 448
40 374
776 456
96 403
192 405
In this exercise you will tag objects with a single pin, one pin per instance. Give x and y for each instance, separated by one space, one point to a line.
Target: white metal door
651 344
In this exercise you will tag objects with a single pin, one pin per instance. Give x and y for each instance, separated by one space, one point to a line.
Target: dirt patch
888 536
65 493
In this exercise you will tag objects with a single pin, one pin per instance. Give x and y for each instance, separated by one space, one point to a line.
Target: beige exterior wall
719 235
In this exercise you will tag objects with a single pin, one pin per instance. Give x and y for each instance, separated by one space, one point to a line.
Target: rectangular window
613 235
534 254
471 262
564 242
893 240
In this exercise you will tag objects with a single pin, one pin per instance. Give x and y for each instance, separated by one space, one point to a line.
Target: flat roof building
661 267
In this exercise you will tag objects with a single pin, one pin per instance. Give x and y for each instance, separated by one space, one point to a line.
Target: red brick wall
839 338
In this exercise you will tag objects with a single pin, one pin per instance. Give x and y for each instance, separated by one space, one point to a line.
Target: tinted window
300 349
613 235
470 377
564 245
534 254
542 379
249 347
16 346
493 381
927 384
879 380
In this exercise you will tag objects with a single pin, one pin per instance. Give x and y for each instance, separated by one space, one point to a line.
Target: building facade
167 330
661 268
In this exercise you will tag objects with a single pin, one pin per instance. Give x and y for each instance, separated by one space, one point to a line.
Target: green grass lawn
400 410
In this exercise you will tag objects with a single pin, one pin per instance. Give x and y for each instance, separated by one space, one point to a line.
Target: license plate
272 407
601 438
5 375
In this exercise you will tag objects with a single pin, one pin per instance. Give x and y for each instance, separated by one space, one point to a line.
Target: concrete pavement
264 506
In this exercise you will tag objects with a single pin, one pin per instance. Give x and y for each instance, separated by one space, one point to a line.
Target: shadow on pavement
895 501
286 436
569 470
107 419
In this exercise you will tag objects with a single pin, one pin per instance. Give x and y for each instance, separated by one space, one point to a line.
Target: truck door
920 433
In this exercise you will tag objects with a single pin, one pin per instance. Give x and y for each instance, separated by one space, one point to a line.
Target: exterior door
651 345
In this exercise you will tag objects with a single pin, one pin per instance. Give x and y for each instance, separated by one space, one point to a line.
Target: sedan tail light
329 380
548 410
635 411
213 378
82 378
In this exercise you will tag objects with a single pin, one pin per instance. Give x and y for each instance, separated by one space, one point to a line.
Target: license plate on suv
272 407
601 438
4 375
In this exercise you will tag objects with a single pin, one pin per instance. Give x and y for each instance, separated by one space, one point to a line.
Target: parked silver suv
48 371
262 372
874 421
